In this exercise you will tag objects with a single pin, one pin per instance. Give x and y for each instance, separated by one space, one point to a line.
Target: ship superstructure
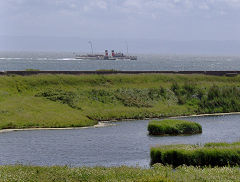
119 55
106 56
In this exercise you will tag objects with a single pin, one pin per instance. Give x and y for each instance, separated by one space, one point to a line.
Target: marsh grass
158 173
212 154
173 127
65 100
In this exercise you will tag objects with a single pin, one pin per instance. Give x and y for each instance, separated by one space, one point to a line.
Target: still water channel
126 143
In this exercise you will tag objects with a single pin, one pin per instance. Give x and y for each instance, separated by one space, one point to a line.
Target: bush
134 97
173 127
66 97
129 97
221 99
101 95
215 99
208 155
188 93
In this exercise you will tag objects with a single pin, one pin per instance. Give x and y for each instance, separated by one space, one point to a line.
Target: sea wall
216 73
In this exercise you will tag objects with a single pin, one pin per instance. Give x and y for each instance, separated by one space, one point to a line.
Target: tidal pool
126 143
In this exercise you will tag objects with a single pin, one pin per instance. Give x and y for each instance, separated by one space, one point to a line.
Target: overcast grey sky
168 20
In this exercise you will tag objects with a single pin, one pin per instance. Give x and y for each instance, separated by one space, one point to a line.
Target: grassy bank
173 127
158 173
74 101
212 154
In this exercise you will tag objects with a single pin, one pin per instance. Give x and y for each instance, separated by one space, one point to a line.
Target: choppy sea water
65 61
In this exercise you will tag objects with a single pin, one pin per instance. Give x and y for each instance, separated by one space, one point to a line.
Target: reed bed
212 154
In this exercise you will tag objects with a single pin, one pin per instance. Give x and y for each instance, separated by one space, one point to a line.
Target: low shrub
102 96
129 97
65 97
220 99
173 127
207 155
134 97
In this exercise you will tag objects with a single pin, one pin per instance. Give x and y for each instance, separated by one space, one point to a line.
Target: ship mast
90 42
127 47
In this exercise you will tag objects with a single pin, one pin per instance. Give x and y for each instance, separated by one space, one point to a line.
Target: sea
65 61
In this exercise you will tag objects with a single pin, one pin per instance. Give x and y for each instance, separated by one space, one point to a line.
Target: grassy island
211 154
173 127
47 100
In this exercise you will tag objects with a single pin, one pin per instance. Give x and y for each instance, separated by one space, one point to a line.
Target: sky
33 24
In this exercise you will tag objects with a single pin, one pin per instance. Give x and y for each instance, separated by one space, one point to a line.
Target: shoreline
202 115
109 123
99 125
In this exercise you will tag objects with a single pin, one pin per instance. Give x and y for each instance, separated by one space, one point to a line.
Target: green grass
173 127
30 111
158 173
83 100
212 154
